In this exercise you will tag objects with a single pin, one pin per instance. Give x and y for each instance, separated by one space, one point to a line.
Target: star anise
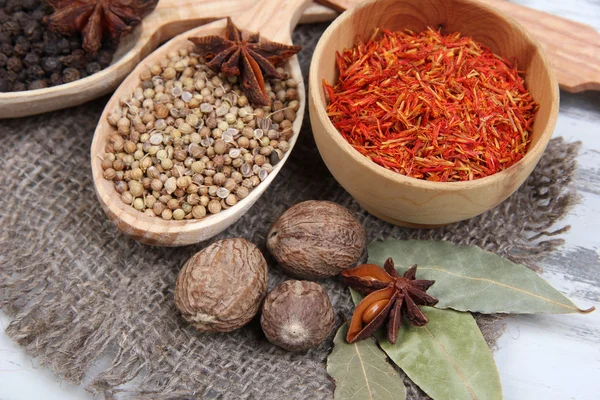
98 19
389 296
246 55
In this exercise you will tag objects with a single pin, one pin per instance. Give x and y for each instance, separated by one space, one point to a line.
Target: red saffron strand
429 106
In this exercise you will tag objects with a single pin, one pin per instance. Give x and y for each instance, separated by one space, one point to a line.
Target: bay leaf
447 358
468 278
361 371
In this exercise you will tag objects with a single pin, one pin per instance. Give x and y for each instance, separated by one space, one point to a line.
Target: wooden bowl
155 230
412 202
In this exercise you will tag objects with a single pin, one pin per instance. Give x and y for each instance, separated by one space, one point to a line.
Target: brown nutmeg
297 315
220 288
317 239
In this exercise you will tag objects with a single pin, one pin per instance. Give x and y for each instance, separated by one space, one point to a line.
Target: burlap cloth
78 290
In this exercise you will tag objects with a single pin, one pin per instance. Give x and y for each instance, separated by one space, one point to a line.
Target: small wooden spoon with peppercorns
274 20
169 18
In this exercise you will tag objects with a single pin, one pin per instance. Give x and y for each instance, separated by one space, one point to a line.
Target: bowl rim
533 154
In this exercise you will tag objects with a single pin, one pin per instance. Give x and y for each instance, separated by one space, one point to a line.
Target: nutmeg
220 288
316 239
297 315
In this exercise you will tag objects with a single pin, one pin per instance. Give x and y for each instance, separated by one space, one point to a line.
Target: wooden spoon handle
274 19
573 47
172 17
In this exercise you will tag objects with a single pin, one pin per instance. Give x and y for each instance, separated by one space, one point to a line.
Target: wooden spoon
573 47
170 18
274 20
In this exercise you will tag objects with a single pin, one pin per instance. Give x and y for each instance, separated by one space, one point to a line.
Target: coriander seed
137 174
170 185
187 143
220 146
214 206
219 178
135 188
231 200
173 204
178 214
150 201
127 198
242 192
199 212
167 214
158 208
138 204
109 174
121 187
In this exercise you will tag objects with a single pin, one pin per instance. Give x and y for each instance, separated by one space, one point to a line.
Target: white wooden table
540 357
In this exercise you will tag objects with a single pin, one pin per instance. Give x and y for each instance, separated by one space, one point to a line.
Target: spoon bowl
404 200
272 24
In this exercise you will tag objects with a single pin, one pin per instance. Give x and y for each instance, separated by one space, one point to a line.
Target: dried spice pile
33 57
188 142
429 106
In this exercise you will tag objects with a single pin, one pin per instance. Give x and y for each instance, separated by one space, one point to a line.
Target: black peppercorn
32 30
6 49
14 64
35 72
51 35
13 6
92 68
3 15
22 46
39 84
104 58
51 48
38 48
11 76
56 79
63 46
11 27
51 64
74 42
4 85
38 15
5 37
77 59
18 87
29 4
31 59
70 75
20 17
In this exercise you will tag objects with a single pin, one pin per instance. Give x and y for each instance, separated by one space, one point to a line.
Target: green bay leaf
447 358
361 371
468 278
